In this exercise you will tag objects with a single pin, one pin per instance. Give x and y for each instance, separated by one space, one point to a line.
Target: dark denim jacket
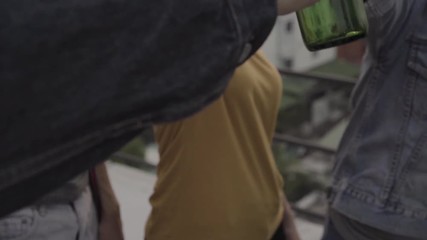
380 174
79 78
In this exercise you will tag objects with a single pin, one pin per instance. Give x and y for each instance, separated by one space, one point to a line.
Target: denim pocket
18 225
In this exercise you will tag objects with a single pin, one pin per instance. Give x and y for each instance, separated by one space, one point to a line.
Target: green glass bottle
330 23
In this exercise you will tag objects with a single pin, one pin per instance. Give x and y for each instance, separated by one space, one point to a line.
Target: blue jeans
331 233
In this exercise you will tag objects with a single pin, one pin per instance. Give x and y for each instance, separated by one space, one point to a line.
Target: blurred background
313 116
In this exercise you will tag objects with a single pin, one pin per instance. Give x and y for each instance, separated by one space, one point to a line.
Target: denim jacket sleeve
386 19
379 7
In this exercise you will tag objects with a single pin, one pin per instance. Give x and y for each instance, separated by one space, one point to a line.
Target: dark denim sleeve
379 7
386 19
81 78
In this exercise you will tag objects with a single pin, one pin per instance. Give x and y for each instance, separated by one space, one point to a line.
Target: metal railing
329 78
291 140
284 138
135 161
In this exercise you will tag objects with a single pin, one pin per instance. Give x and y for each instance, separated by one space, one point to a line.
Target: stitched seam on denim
414 158
415 213
356 193
397 155
338 171
400 209
415 48
420 44
394 208
358 135
371 85
409 89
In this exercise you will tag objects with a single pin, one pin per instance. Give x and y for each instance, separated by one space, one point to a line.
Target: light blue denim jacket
380 174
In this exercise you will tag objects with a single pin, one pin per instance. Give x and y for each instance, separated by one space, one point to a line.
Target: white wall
270 47
286 49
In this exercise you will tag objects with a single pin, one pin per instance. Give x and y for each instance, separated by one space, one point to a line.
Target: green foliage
298 182
290 118
134 149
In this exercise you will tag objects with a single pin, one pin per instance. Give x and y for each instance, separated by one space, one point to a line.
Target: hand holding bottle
288 6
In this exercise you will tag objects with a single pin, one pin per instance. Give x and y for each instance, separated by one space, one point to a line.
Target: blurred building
286 49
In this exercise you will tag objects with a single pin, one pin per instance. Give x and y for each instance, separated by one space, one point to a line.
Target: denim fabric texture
380 174
81 78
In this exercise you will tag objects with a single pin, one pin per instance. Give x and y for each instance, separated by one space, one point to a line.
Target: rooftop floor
133 188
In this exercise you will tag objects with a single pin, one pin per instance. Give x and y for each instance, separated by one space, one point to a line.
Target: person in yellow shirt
217 178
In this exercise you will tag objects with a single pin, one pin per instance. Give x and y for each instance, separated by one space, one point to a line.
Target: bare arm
288 223
110 226
288 6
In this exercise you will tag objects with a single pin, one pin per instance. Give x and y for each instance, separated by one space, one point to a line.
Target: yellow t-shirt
217 179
